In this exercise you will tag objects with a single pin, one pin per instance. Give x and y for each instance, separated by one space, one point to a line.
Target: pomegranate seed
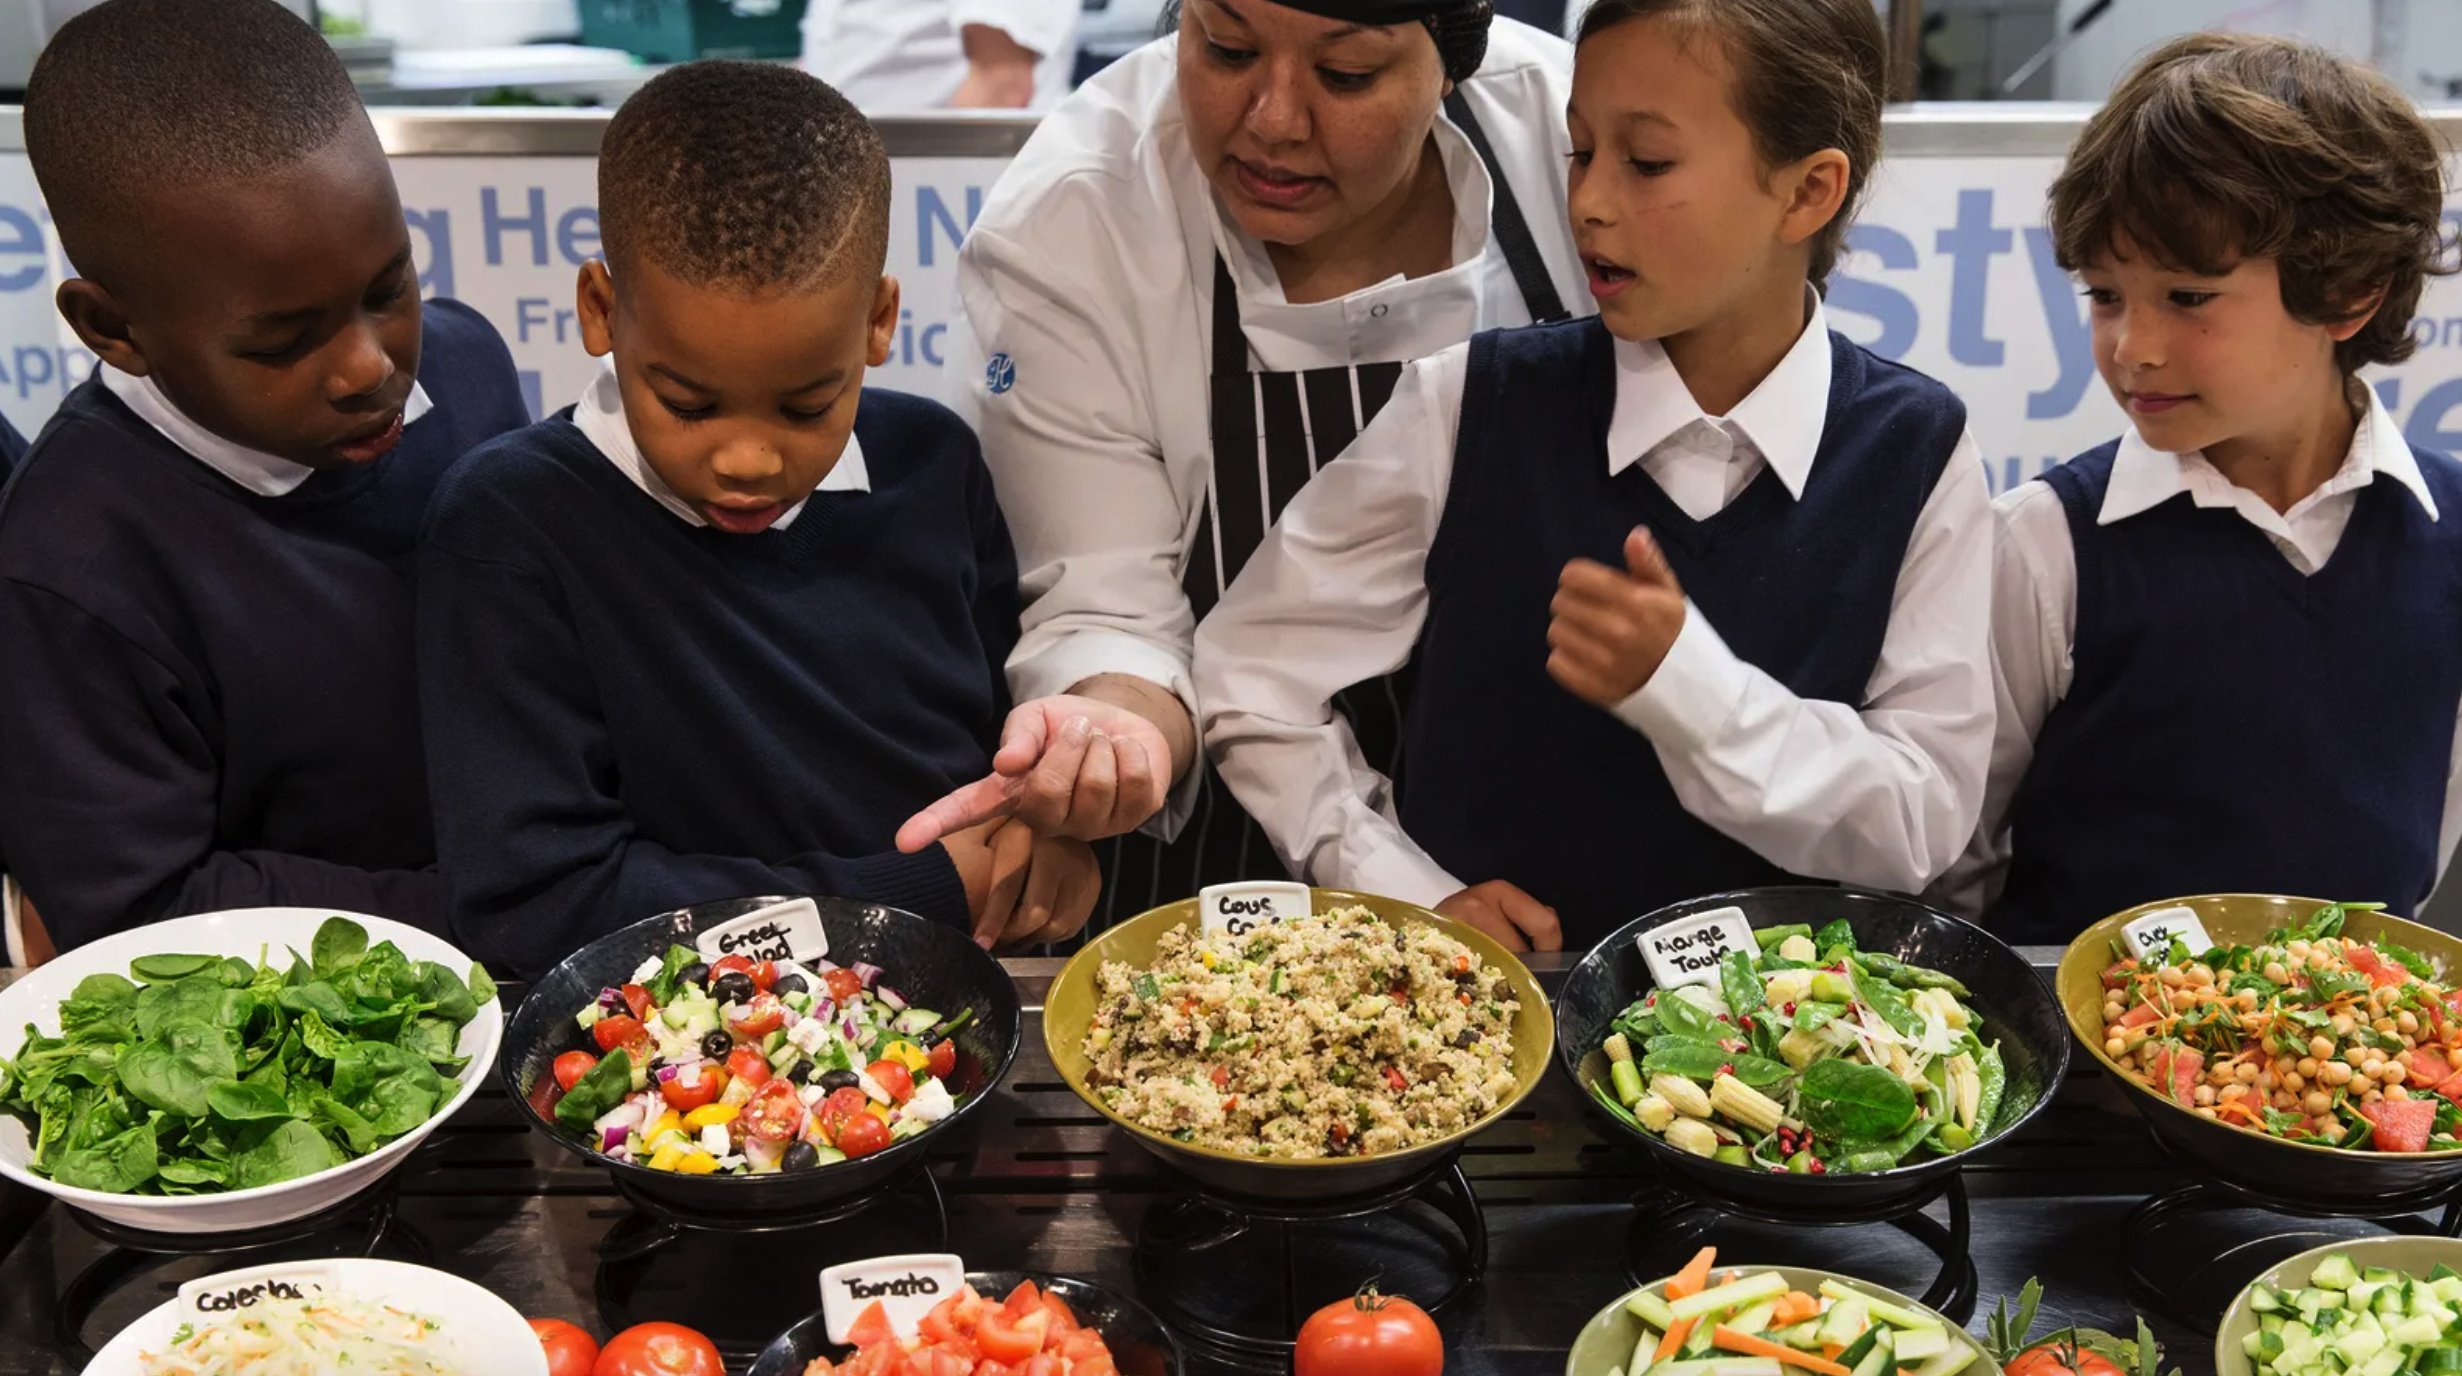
1817 1167
1790 1010
1726 1070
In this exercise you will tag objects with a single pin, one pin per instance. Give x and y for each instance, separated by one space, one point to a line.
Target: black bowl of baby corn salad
706 1075
1818 1052
2295 1049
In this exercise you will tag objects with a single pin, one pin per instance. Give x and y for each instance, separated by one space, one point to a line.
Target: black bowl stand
365 1225
1670 1219
1196 1221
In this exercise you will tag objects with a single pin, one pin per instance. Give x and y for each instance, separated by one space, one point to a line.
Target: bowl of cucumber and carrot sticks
1835 1066
1708 1320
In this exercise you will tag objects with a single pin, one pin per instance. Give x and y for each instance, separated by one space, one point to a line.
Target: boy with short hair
205 560
715 633
2229 644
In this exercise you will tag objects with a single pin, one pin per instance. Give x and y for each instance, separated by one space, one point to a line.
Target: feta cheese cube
714 1140
932 1102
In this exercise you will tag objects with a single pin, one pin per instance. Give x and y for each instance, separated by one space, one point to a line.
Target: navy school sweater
211 702
2234 726
1513 778
627 714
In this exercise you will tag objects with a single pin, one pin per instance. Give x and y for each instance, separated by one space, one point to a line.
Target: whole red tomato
570 1351
2060 1359
1370 1335
659 1349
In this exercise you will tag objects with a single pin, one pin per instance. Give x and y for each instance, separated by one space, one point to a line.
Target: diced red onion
825 1008
611 1002
887 995
869 974
668 1073
611 1138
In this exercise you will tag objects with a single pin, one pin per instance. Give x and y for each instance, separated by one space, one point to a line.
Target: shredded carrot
1794 1307
1751 1345
1831 1350
1674 1340
1695 1277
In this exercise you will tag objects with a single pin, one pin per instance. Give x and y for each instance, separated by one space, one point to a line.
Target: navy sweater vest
1511 777
211 702
2232 726
628 714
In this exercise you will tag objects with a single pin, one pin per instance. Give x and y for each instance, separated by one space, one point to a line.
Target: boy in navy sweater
1696 589
205 560
716 632
2188 620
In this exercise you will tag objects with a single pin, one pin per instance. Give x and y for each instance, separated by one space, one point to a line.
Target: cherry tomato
864 1135
893 1077
628 1033
944 1060
844 985
637 999
570 1351
705 1088
1369 1335
571 1066
763 1016
747 1063
727 965
1004 1338
2052 1359
841 1107
659 1349
775 1114
764 974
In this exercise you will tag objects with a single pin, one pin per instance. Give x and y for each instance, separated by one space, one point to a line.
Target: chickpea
2373 1067
2205 1095
2295 1082
2396 1093
2385 1027
2200 974
2403 1057
2112 1011
2173 977
2232 1093
2298 951
2284 1102
2344 1025
2220 1075
2318 1103
2114 1047
2371 1095
2394 1073
2205 1113
2275 972
2357 1055
2408 1021
2283 1065
2409 1044
2246 1073
2307 1068
2247 1000
2337 1074
2321 1047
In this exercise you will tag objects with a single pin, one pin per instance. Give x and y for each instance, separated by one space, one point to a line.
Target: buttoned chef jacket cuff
1695 692
1061 662
1400 871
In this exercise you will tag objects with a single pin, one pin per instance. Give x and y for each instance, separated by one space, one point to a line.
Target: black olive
732 987
657 1061
800 1156
695 973
790 984
798 1071
839 1079
1467 1037
717 1044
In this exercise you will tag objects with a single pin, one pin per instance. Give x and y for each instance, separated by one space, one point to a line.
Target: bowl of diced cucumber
1771 1321
2376 1306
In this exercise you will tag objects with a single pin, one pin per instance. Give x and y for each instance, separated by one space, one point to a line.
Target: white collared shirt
599 415
1085 295
904 56
264 474
2034 603
1883 796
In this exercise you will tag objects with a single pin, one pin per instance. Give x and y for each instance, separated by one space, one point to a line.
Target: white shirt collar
1783 417
2144 477
261 473
600 417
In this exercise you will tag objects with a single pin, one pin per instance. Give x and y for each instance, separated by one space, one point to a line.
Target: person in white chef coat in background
1197 282
898 56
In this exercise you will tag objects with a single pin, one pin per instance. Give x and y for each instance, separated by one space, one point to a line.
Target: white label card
782 931
2150 936
1242 908
1688 950
905 1287
213 1298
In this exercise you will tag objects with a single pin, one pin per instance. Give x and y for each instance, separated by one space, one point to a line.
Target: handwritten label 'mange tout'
905 1287
213 1298
1687 950
1243 908
782 931
2152 935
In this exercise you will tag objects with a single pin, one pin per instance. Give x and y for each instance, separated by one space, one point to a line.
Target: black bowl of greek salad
1808 1052
762 1055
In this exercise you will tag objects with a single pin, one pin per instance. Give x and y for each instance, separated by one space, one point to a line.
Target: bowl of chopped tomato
1003 1323
2312 1052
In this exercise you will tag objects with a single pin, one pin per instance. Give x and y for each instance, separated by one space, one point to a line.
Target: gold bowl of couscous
2314 1054
1324 1058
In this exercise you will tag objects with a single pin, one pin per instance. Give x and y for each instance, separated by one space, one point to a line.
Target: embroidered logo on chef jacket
1000 374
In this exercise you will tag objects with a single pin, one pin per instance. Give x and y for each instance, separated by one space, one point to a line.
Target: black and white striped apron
1271 432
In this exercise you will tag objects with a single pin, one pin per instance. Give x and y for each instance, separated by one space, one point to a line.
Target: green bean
1995 1077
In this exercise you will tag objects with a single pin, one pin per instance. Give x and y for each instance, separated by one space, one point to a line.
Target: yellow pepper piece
665 1158
880 1111
697 1163
664 1123
907 1054
710 1113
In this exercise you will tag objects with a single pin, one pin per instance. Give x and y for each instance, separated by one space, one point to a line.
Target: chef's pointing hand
1087 764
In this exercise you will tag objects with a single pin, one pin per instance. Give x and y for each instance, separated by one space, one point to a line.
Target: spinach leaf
116 1165
482 985
246 1101
595 1093
292 1150
195 1170
1636 1022
169 969
1845 1098
445 994
318 999
2407 958
354 1126
319 1037
195 1001
102 1008
1835 935
1686 1012
174 1071
340 945
662 985
2331 984
400 1105
1740 984
437 1040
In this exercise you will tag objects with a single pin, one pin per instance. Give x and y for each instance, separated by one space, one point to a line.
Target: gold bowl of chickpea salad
2313 1034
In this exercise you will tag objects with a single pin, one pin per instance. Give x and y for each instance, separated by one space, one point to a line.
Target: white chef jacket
2034 604
1085 293
1885 796
901 56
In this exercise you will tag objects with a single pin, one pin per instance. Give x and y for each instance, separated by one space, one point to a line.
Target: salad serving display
197 1074
1755 1323
1033 1330
749 1067
2309 1035
1811 1056
306 1337
2353 1320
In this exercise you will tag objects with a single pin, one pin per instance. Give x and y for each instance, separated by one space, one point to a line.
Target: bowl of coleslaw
370 1318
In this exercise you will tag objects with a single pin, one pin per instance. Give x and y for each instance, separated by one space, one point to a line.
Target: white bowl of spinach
237 1070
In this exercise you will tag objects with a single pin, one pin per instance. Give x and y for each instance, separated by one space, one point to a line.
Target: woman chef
1198 280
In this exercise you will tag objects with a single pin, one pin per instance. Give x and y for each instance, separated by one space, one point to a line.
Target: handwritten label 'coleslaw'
218 1297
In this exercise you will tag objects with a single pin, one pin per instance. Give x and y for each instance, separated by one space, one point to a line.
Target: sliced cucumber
1646 1306
1733 1295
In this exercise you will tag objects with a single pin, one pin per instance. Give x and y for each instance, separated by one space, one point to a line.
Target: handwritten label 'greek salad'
235 1292
1242 908
782 931
2152 935
905 1287
1687 950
